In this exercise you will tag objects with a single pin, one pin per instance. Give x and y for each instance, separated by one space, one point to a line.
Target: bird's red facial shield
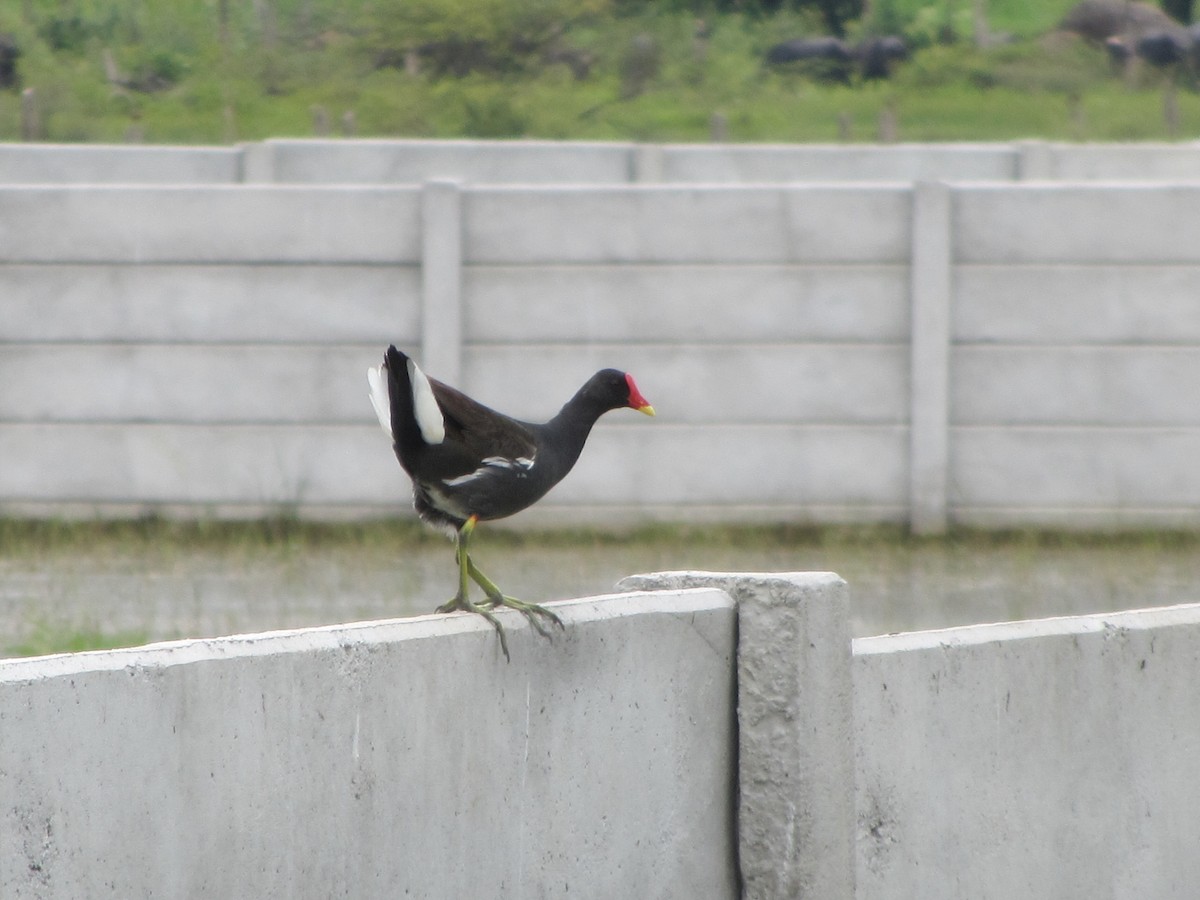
636 400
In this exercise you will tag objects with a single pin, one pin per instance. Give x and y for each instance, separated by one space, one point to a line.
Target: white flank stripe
425 407
491 463
463 479
380 398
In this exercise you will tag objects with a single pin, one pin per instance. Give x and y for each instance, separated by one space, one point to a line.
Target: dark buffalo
1099 20
823 58
1164 48
9 54
876 56
802 49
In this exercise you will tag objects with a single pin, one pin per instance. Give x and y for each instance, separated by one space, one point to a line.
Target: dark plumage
470 463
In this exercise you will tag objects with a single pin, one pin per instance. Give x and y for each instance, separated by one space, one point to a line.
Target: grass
188 85
46 638
68 580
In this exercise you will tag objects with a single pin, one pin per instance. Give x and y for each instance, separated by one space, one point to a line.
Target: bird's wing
481 431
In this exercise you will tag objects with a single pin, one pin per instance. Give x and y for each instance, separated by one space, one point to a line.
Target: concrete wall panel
481 162
784 467
187 383
1100 223
837 162
687 224
390 161
1032 759
383 760
1084 468
114 164
625 466
680 303
262 304
1066 304
1108 162
206 464
209 225
1044 385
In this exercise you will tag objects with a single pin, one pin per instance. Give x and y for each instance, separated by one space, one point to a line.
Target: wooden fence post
929 423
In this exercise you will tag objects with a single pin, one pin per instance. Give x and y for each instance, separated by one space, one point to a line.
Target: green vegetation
46 638
161 71
91 585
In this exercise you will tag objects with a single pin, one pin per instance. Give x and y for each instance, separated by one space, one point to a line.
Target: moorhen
470 463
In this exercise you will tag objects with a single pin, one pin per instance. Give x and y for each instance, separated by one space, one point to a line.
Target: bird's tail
413 416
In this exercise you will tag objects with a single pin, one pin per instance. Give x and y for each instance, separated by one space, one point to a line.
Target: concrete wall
985 353
323 161
392 759
119 164
639 754
1035 759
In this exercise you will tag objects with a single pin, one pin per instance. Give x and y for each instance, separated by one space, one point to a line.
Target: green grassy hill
227 70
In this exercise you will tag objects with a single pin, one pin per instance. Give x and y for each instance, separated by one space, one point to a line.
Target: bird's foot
530 611
462 603
496 597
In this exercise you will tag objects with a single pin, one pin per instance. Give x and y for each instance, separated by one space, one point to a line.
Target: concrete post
441 279
930 356
647 164
1035 161
796 799
258 163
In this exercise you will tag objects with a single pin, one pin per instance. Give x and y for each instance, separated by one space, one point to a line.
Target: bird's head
612 389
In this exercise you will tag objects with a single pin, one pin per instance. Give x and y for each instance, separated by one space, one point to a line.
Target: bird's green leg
461 602
531 611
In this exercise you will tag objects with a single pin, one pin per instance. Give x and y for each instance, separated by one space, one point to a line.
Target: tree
461 36
834 13
1180 10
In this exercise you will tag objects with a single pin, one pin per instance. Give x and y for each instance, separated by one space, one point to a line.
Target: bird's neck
569 430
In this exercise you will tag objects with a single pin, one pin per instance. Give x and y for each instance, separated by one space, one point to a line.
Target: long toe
456 604
463 604
532 612
497 598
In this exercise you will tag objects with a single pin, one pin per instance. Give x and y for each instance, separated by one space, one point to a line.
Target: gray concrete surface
387 759
795 738
1053 758
993 358
384 161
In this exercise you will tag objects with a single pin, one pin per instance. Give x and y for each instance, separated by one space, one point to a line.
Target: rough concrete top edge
974 635
330 637
210 188
517 143
127 149
660 581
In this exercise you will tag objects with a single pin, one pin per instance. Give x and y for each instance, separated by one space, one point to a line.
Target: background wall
323 161
994 353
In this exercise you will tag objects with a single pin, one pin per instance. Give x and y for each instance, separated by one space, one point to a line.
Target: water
172 590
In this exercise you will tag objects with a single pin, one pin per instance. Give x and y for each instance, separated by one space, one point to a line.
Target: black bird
469 463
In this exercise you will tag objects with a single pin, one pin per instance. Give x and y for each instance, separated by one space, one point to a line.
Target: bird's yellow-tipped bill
636 400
